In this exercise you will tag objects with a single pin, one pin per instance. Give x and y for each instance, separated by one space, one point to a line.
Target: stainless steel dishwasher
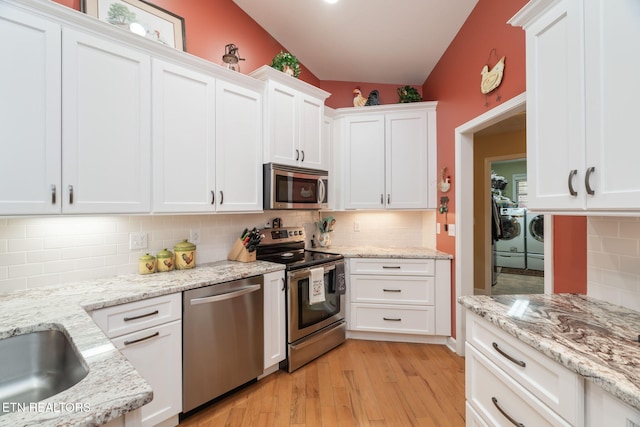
223 339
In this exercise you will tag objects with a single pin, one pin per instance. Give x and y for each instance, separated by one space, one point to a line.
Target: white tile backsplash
55 250
613 260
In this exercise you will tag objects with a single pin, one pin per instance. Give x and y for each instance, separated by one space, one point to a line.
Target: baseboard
385 336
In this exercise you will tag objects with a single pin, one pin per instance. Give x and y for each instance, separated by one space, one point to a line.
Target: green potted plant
287 63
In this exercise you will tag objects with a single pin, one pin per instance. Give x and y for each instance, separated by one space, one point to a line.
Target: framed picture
140 17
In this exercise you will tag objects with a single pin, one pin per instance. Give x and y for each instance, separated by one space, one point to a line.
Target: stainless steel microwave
287 187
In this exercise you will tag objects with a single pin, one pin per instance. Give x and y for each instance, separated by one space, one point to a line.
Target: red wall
212 24
570 254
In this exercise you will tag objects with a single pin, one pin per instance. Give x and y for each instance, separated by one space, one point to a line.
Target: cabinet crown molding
386 108
267 72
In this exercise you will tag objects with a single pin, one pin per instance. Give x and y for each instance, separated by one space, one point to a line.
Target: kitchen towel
316 286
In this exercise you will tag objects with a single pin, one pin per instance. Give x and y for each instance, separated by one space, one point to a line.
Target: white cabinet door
275 339
612 33
407 180
183 114
311 132
283 130
364 162
603 409
555 109
30 169
106 126
156 353
238 148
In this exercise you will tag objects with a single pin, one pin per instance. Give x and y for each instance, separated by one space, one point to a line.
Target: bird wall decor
491 79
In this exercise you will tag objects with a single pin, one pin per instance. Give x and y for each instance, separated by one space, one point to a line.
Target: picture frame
140 17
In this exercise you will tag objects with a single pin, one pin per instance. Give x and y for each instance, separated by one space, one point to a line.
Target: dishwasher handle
226 295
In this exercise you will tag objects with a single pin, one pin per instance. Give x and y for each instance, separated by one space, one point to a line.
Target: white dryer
510 249
535 242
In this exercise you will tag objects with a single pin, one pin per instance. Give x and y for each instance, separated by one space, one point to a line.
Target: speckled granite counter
596 339
384 252
112 387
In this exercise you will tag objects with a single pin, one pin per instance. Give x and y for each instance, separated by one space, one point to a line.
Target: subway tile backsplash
46 251
613 260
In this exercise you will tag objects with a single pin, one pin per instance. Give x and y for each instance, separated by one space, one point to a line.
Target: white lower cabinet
149 334
603 409
275 339
400 296
508 382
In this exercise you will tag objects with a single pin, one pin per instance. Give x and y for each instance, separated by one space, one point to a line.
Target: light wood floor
360 383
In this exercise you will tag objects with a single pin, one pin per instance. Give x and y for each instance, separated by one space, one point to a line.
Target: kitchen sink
36 366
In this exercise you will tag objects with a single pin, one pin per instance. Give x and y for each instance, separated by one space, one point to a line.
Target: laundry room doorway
500 213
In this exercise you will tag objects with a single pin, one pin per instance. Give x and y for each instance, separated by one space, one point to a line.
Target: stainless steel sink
38 365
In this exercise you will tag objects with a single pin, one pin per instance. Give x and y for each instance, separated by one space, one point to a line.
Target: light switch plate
452 230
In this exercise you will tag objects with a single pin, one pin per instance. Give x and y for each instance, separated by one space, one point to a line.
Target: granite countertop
383 252
112 387
593 338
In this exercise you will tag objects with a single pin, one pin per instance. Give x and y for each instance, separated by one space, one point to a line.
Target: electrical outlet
356 226
194 236
137 241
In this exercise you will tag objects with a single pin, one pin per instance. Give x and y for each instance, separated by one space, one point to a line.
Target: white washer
535 242
510 250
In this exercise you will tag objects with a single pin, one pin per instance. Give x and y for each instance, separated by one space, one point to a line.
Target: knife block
239 253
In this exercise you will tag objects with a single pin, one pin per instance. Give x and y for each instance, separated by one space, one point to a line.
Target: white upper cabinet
183 139
106 126
238 148
29 114
294 114
388 156
580 72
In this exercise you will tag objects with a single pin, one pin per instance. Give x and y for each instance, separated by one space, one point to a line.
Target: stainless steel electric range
315 317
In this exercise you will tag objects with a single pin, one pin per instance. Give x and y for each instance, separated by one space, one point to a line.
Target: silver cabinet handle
506 356
297 155
391 267
142 339
71 194
283 286
570 182
221 197
388 199
392 319
302 160
381 199
153 313
503 412
53 194
587 181
392 290
213 197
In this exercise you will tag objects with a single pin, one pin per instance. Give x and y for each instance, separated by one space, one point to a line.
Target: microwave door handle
321 190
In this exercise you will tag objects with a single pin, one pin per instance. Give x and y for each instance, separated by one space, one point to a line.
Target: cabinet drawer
472 417
394 290
135 316
388 318
556 386
410 267
496 397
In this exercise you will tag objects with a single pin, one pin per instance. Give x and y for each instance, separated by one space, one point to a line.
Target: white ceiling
368 41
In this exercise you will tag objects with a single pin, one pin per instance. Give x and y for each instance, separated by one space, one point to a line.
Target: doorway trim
464 201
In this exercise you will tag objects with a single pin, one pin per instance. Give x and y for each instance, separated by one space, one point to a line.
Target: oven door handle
305 272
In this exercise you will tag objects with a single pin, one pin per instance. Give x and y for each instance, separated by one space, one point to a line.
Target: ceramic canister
165 260
147 264
185 255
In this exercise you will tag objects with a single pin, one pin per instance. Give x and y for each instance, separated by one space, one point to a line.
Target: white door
238 148
30 164
106 126
407 178
555 109
283 129
612 72
183 139
364 162
311 142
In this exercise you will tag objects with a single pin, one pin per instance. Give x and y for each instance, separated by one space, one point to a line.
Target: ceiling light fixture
331 1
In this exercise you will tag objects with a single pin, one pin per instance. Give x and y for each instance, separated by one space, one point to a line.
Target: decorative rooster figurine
358 99
491 79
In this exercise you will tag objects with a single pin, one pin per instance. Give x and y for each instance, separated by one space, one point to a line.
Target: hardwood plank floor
360 383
